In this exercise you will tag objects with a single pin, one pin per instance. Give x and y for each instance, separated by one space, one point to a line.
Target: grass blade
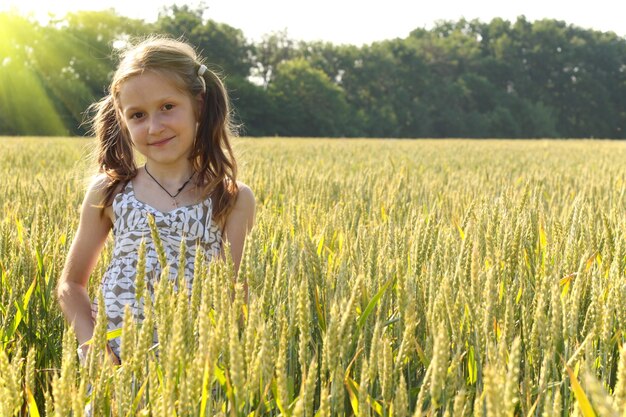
581 398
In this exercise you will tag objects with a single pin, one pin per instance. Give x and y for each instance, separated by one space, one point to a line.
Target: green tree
307 102
254 109
180 21
461 78
273 49
223 46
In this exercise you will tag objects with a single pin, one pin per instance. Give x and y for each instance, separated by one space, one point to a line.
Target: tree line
461 78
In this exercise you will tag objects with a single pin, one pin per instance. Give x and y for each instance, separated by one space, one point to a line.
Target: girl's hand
83 350
112 356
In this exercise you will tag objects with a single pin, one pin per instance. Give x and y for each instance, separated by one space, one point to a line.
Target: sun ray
26 107
51 73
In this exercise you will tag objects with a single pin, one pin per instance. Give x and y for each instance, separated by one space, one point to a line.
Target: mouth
161 142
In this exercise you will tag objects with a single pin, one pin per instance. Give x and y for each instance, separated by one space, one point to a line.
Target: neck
169 176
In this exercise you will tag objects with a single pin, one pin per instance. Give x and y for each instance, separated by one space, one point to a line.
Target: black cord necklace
173 196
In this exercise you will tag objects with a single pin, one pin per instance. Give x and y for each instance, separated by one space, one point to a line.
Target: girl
167 105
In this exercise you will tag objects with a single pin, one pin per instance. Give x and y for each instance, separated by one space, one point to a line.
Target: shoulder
96 192
96 189
245 197
242 213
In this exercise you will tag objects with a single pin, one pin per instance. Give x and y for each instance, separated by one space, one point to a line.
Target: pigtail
114 153
213 156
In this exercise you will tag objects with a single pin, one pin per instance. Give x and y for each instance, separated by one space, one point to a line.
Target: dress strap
125 190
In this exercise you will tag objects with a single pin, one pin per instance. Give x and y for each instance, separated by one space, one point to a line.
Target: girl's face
160 118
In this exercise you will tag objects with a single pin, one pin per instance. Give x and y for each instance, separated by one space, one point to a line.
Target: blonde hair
212 155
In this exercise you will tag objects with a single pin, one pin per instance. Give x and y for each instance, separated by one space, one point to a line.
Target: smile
161 142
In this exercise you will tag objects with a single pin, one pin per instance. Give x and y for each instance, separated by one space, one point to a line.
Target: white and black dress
194 223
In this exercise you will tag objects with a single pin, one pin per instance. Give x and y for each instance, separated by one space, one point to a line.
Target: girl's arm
90 237
239 222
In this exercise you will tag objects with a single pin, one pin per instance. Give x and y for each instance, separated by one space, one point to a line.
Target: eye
168 106
137 115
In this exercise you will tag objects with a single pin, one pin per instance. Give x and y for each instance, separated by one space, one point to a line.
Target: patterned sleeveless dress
194 223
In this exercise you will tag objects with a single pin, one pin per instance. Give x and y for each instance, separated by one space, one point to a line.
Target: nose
155 126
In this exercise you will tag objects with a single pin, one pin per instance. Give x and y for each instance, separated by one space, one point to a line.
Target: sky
350 21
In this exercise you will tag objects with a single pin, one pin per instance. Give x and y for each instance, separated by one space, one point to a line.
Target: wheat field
386 278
